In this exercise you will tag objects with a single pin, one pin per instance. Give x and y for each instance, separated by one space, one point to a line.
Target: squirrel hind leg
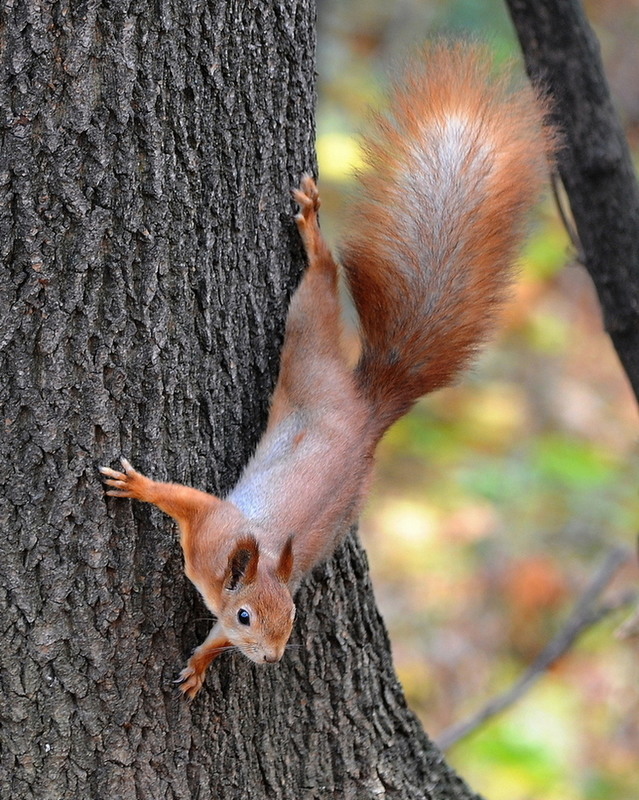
313 345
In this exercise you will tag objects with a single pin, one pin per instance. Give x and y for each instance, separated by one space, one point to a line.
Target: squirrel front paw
129 483
192 676
190 680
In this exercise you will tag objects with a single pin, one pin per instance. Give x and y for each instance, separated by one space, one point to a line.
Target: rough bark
562 52
148 252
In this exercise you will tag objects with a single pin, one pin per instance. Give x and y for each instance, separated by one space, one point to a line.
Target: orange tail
455 164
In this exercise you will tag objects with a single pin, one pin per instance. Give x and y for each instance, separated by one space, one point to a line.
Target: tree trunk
148 255
595 163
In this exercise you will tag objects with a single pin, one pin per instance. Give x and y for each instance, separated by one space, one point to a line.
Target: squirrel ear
285 566
242 565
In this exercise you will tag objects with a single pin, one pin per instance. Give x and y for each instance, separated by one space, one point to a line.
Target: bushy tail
455 164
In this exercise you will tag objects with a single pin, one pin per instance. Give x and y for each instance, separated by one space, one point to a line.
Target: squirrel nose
271 658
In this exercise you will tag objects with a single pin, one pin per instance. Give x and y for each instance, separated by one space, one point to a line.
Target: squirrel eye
243 617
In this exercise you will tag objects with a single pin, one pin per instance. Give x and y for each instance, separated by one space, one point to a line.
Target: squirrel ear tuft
242 565
285 566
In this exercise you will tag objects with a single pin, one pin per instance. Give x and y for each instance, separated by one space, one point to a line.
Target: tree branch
562 54
584 616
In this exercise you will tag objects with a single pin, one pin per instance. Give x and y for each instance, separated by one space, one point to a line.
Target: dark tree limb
562 53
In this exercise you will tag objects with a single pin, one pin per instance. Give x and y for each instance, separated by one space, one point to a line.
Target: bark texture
148 250
595 164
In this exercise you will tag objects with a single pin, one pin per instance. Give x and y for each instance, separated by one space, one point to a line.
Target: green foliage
572 464
545 252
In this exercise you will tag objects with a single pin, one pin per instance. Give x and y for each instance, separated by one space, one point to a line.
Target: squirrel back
454 165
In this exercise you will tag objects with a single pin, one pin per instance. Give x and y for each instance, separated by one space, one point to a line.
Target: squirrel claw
111 472
308 199
125 484
116 479
127 465
190 682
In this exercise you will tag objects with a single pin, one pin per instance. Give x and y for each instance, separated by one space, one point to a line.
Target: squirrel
454 165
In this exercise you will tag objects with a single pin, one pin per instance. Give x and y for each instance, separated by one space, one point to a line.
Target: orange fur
455 164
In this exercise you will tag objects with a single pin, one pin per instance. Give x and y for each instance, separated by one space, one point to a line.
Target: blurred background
497 500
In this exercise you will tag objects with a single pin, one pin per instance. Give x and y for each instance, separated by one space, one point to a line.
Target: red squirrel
454 165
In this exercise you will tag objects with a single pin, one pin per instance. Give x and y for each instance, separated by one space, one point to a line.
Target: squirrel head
257 608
